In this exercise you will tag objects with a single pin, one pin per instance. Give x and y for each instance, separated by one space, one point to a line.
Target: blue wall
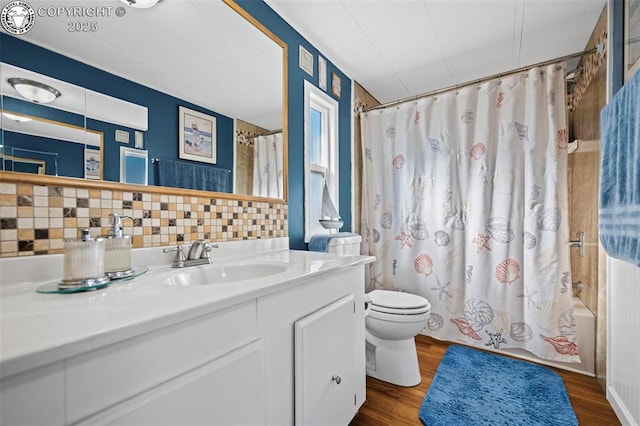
161 140
274 23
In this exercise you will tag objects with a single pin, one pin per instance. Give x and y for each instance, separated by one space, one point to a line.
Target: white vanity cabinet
231 365
280 312
207 370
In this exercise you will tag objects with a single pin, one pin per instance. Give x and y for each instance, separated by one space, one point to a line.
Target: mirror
230 69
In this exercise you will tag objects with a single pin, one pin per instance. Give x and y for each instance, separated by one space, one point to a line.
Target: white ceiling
402 48
205 53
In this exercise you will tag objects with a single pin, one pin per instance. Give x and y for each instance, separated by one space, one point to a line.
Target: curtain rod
274 132
599 49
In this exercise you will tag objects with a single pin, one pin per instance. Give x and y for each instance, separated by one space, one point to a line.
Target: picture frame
133 166
322 73
92 163
335 85
197 138
305 60
631 38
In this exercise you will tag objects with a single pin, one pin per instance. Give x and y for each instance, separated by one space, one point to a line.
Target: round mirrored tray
53 287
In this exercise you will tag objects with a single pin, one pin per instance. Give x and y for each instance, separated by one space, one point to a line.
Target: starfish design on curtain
442 289
481 241
495 339
404 238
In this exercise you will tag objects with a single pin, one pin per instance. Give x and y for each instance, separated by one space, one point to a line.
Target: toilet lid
392 301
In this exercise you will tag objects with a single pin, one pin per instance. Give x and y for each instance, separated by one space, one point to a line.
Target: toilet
392 321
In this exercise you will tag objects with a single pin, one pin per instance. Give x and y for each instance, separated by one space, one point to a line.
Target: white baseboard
619 407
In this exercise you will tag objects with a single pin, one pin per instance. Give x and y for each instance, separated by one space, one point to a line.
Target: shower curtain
267 166
465 203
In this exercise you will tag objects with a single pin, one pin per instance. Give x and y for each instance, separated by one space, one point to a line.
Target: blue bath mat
472 387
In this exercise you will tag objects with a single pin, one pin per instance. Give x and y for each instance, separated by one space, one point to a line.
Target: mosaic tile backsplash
35 219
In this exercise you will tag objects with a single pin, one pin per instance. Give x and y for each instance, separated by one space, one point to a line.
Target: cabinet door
225 391
325 378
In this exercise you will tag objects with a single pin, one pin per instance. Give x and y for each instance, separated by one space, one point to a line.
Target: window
321 155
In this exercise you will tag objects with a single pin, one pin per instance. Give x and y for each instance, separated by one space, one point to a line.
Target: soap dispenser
117 260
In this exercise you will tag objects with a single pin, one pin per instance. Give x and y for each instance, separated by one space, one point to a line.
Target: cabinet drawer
225 391
33 397
104 377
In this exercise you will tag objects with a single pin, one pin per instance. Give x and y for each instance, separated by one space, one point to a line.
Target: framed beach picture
305 60
92 163
631 37
197 141
322 73
336 88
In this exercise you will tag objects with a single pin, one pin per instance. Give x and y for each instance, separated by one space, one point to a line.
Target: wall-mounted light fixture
34 91
141 4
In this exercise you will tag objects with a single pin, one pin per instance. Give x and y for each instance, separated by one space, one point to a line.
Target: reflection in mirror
25 138
57 131
232 71
133 166
259 161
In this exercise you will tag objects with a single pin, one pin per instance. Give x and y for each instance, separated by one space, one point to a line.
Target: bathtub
585 339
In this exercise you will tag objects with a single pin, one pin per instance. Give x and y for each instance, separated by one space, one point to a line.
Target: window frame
328 107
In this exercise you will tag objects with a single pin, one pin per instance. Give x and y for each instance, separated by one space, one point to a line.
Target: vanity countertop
37 329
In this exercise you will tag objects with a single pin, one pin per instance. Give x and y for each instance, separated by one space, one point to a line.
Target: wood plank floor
393 405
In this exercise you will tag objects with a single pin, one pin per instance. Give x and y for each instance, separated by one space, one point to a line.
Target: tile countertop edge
56 353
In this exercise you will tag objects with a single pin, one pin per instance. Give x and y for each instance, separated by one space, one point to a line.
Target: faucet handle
178 260
206 248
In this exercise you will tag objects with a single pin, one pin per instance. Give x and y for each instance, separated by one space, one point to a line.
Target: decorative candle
84 258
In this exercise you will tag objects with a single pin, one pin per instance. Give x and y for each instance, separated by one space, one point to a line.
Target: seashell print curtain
267 166
465 203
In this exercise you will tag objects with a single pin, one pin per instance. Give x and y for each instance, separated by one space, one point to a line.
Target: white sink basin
209 274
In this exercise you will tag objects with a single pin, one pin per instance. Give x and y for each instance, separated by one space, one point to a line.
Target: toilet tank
345 245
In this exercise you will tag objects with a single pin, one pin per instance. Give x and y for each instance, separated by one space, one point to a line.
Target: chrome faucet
198 254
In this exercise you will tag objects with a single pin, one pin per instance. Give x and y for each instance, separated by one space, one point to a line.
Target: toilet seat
398 303
398 318
395 311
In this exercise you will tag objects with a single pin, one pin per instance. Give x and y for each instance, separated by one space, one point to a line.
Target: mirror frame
7 176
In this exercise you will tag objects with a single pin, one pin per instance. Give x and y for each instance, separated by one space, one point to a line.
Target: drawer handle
336 378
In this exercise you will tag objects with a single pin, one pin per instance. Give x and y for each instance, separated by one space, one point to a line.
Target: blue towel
321 242
620 174
183 174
